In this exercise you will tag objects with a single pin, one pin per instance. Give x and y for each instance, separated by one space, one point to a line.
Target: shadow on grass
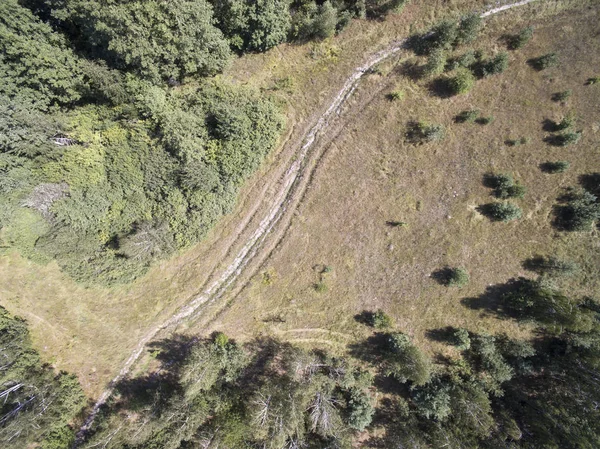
442 275
492 299
365 317
439 87
441 335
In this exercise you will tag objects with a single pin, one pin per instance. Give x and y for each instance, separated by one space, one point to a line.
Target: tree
36 66
405 361
158 40
468 28
462 82
503 211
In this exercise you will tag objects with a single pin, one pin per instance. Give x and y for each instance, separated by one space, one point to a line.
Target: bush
396 95
461 83
520 39
562 96
436 62
465 60
314 21
544 62
461 339
580 213
467 116
468 29
422 132
485 120
505 186
320 287
457 277
381 320
494 66
503 211
566 122
568 138
593 80
555 167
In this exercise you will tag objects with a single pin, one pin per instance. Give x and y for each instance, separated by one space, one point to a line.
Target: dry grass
369 176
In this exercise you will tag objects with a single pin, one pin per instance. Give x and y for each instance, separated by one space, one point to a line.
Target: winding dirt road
291 187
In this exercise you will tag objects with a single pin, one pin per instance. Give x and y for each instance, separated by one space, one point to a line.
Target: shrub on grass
457 277
505 186
321 287
580 213
566 122
422 132
555 167
518 142
465 60
521 38
381 320
436 62
468 29
593 80
544 62
567 138
461 83
504 212
467 116
562 96
396 95
496 65
485 120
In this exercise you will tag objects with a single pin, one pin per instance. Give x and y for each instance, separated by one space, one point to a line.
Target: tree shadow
173 350
550 125
492 299
490 180
439 87
441 335
410 69
549 167
591 183
555 140
442 275
365 317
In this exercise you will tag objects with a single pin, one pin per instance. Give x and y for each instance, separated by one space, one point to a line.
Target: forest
117 144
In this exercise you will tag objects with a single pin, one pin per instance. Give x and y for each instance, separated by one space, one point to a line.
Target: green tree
404 361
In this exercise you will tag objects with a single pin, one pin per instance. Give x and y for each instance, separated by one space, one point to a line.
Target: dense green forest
116 145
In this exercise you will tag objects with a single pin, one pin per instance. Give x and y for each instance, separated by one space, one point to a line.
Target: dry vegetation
371 179
368 177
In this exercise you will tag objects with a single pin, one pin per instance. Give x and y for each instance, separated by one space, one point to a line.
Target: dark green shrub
593 80
520 39
461 339
360 409
467 116
555 167
544 62
568 138
465 60
461 83
485 120
562 96
494 66
580 213
566 122
503 211
436 62
505 186
422 132
468 29
457 277
381 320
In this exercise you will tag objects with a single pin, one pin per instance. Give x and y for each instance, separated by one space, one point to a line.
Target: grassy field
369 176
